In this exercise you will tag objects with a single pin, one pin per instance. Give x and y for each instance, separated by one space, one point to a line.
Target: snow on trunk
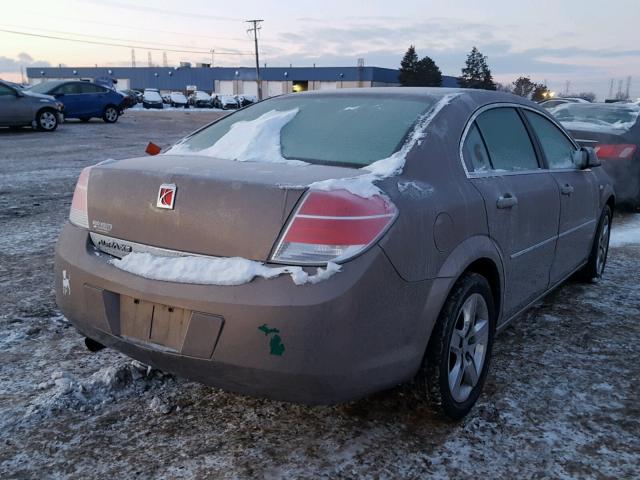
213 271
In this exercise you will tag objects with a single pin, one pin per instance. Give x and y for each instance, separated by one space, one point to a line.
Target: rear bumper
361 331
626 179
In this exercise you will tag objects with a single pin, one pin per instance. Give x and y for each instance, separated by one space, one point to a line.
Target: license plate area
153 323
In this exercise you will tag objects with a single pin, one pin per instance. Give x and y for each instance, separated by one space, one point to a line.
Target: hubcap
111 114
47 120
603 245
468 347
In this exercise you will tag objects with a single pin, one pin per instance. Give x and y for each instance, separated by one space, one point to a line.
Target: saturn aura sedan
321 246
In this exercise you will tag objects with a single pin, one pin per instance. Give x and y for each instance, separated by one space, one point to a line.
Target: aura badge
275 342
166 196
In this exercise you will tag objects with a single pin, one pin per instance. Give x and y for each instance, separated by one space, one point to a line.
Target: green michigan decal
275 342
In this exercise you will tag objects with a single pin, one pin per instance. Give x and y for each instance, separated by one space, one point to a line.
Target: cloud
23 59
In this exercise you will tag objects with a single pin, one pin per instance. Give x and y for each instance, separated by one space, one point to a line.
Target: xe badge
166 196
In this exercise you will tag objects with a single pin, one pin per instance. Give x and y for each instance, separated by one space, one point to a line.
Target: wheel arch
481 255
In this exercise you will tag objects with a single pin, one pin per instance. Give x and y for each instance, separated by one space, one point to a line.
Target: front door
578 197
521 199
14 110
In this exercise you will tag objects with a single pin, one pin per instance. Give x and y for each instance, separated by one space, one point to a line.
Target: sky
579 44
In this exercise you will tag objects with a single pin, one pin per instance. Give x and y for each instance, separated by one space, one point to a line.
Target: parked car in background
138 94
129 98
84 100
225 102
151 99
244 100
166 98
559 101
614 130
320 282
21 108
200 99
177 99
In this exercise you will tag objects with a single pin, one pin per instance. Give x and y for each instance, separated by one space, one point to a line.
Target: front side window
507 140
350 129
557 148
67 89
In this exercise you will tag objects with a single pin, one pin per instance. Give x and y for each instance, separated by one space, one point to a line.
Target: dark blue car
84 100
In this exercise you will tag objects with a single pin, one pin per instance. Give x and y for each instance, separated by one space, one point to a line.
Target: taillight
619 151
333 226
79 215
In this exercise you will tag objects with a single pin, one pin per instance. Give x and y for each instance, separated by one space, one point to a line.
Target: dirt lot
561 399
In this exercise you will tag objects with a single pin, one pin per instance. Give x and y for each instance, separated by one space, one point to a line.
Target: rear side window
90 88
557 148
474 152
507 140
6 91
349 129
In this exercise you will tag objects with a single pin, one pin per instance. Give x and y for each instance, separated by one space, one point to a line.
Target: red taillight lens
620 151
332 227
79 215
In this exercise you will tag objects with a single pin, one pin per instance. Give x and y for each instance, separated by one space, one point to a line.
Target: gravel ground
561 399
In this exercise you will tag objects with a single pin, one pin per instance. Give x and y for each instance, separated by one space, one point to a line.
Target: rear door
93 99
578 196
521 199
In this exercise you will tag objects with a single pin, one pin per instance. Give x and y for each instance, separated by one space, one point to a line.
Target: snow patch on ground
255 140
213 271
363 185
627 233
66 392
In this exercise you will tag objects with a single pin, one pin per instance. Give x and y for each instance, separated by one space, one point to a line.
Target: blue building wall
169 78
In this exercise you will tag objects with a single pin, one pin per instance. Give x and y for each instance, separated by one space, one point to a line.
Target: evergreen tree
523 87
429 75
409 68
476 73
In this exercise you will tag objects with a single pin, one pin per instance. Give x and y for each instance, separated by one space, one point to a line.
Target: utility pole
255 29
213 51
149 59
133 58
165 63
628 86
611 88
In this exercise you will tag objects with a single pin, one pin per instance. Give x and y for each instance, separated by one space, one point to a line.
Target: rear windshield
351 130
580 116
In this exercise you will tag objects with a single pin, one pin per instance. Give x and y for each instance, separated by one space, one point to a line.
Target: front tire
47 120
594 269
459 352
110 114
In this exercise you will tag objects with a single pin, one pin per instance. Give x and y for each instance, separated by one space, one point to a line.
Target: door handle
566 189
507 201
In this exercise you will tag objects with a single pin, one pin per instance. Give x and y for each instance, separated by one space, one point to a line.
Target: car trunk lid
222 207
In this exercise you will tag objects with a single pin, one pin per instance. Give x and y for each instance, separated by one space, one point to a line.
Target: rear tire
457 360
110 114
594 269
47 120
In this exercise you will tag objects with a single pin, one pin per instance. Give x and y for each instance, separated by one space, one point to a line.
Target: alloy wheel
603 245
48 121
468 347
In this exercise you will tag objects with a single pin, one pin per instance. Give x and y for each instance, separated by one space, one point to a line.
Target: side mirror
19 93
585 158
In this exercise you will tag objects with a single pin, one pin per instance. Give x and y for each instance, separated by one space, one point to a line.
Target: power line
124 45
255 39
100 37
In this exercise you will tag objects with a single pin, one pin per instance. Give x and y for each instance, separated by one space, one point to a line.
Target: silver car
20 108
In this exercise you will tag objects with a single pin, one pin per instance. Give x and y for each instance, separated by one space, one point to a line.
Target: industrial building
230 81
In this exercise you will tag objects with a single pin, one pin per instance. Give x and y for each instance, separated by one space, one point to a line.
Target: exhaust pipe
92 345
